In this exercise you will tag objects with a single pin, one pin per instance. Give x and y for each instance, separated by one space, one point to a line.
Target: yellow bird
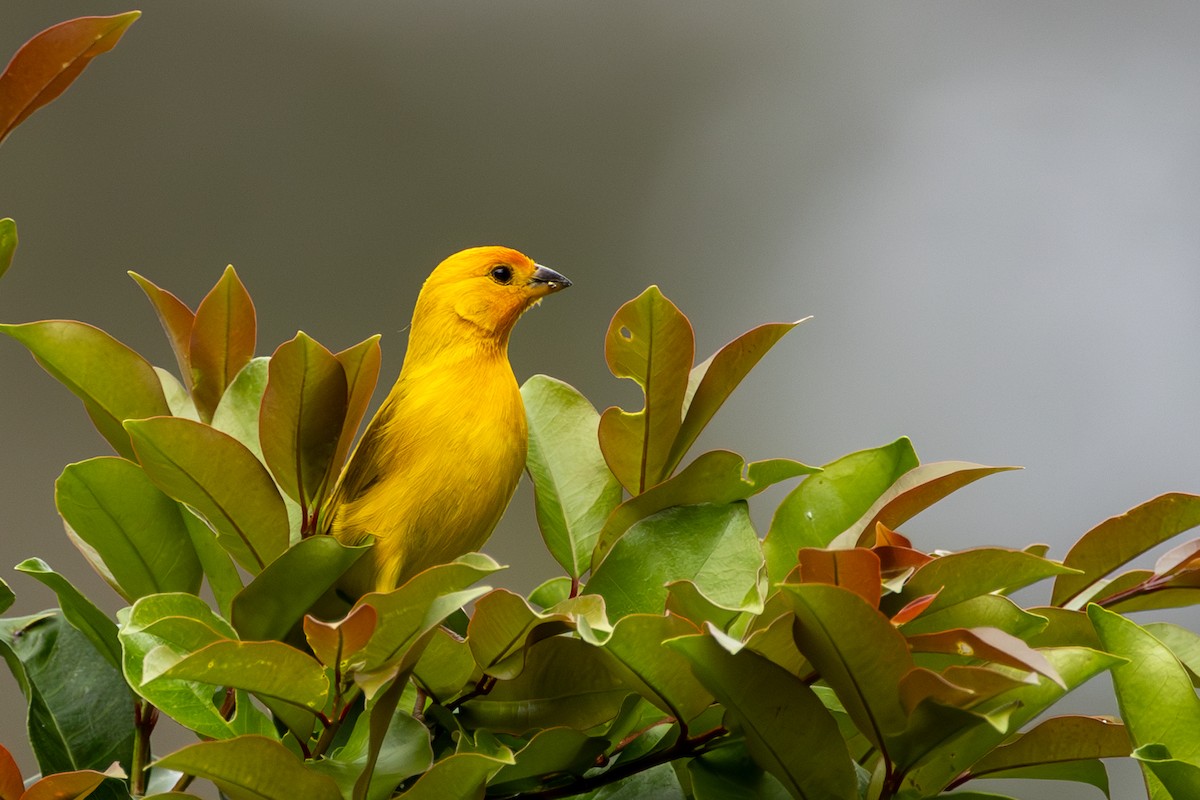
438 464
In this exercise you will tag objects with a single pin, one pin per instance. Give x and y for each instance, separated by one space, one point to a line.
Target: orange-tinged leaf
913 609
48 63
71 785
114 382
361 364
223 338
988 644
651 342
714 380
176 319
11 784
301 417
1120 539
335 642
915 491
886 537
895 560
856 570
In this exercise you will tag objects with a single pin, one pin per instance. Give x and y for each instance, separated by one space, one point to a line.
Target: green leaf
176 319
1154 692
788 731
360 364
960 576
1180 779
459 775
716 477
650 342
574 491
78 610
237 413
405 752
223 337
712 381
132 533
222 574
252 768
504 625
164 628
114 382
1183 643
278 597
827 503
554 751
80 711
660 783
984 611
215 474
659 672
566 682
269 669
8 244
728 773
51 61
937 761
551 592
446 666
857 652
6 596
1120 539
714 546
178 399
1060 748
300 423
912 493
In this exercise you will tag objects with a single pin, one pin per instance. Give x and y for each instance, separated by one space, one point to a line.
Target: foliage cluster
678 655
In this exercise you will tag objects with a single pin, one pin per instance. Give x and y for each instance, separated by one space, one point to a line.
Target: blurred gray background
992 210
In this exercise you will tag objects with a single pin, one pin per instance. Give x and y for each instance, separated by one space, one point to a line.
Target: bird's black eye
501 274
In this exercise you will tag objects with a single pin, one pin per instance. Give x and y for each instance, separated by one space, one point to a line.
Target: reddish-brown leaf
856 570
886 537
223 338
895 560
988 644
335 642
11 784
913 609
177 320
48 63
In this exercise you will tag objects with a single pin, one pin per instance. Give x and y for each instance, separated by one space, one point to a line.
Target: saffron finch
440 460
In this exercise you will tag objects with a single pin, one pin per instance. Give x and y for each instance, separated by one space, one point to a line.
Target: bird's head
487 288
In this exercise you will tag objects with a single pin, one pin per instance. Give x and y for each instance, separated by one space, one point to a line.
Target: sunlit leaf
714 546
271 669
80 711
651 342
1058 740
176 319
132 533
48 63
1179 779
1120 539
912 493
715 477
956 577
223 337
237 413
252 768
303 408
78 610
277 598
984 611
829 502
788 731
114 382
215 474
165 628
574 491
504 624
8 244
662 674
684 599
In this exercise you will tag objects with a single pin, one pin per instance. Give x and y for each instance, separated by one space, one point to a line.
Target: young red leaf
988 644
223 338
1120 539
856 570
913 609
886 537
48 63
176 319
71 785
11 784
650 342
335 642
361 364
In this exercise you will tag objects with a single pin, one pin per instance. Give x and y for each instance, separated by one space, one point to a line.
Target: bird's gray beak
552 281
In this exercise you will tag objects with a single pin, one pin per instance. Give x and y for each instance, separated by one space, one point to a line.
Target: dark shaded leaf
78 610
51 61
459 775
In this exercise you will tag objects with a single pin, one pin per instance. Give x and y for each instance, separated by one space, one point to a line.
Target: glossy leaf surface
223 338
252 768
